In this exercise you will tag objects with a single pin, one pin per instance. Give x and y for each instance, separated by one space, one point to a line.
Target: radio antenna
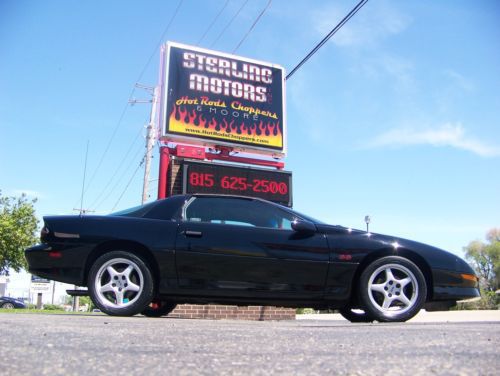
84 175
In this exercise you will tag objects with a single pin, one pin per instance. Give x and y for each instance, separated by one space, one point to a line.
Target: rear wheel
159 308
120 284
392 289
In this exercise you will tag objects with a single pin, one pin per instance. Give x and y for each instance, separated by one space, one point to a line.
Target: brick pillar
215 312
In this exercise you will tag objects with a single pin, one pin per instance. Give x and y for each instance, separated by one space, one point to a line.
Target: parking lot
97 344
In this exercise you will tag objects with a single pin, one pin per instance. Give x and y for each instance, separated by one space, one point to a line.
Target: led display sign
272 185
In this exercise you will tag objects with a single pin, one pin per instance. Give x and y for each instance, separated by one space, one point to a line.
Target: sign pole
162 178
53 291
39 301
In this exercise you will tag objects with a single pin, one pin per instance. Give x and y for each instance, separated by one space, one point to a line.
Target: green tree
18 226
485 258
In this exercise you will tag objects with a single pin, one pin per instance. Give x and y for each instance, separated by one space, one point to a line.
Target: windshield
310 219
303 216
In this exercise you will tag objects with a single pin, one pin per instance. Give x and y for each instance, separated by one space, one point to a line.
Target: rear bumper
56 263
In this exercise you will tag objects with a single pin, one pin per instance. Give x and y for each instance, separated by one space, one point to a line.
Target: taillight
55 254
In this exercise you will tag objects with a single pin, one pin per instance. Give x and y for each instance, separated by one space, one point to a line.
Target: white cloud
447 135
372 23
459 80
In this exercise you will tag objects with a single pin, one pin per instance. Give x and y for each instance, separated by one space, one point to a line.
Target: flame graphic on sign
261 133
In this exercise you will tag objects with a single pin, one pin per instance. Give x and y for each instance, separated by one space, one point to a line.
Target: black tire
355 315
159 308
8 305
392 289
120 284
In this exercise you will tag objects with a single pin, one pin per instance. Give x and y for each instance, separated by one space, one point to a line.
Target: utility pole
150 142
150 134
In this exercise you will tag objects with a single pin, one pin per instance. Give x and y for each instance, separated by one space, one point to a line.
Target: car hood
435 257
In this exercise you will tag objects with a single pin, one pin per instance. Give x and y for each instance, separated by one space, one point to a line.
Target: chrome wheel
119 283
393 289
8 306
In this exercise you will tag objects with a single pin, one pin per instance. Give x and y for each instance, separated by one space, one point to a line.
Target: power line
229 23
124 111
129 182
253 25
329 35
213 22
96 200
160 42
118 182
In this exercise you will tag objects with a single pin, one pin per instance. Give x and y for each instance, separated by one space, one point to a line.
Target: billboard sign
208 177
212 98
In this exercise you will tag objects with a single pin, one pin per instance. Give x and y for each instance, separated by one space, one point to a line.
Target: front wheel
355 315
392 289
120 284
8 305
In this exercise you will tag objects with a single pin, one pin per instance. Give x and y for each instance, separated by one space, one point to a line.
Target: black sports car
9 303
246 251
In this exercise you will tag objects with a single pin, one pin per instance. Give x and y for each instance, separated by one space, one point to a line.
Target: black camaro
238 250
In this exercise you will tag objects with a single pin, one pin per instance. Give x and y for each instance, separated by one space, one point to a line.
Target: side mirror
300 225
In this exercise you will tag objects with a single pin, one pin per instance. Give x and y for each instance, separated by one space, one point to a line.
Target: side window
235 211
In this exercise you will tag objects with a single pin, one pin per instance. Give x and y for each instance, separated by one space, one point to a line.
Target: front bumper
453 285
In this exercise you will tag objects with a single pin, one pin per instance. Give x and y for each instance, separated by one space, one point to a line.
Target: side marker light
469 277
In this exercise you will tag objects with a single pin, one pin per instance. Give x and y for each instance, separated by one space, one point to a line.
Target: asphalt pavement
424 316
44 344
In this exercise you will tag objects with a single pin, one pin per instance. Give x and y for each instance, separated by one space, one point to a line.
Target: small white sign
39 287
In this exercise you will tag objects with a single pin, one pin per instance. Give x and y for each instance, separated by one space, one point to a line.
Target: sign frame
250 176
252 143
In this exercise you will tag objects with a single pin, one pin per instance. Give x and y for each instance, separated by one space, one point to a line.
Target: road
45 344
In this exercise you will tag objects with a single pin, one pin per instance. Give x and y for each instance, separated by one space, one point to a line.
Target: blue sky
395 117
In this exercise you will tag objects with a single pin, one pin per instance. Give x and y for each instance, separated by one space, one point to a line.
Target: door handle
193 234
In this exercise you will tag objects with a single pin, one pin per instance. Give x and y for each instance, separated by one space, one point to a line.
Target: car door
246 248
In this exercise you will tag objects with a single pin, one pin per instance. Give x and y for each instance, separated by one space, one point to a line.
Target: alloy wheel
119 283
393 288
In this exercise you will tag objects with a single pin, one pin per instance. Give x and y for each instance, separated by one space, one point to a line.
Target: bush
53 307
489 300
304 311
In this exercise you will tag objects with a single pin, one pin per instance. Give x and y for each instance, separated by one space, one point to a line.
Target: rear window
167 209
161 209
136 211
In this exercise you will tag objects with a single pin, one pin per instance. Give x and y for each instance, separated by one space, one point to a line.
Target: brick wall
216 312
